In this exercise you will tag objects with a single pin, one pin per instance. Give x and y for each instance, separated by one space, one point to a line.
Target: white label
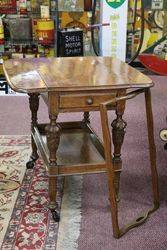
45 12
157 4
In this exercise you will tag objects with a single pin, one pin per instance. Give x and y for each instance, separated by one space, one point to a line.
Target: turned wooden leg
34 105
118 132
86 118
53 138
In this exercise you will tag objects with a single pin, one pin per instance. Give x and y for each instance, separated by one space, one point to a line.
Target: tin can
23 6
45 31
20 29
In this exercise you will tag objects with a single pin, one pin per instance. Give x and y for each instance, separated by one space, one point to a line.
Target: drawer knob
89 101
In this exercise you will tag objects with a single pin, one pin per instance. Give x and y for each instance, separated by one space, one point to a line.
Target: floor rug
25 220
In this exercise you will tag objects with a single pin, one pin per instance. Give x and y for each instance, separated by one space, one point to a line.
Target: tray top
72 74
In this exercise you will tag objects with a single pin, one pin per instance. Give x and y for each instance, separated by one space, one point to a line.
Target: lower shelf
79 152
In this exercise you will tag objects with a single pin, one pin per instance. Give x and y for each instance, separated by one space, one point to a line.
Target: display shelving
20 16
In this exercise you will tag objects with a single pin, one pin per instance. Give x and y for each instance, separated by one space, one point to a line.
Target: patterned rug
25 220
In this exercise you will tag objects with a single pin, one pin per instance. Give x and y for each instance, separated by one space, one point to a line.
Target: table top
72 74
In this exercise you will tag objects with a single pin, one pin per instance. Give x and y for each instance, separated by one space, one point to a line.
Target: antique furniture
82 84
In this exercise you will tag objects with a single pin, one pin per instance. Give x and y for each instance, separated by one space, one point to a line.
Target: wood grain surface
72 74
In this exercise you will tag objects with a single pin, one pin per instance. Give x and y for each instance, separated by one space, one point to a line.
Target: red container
154 63
45 31
23 7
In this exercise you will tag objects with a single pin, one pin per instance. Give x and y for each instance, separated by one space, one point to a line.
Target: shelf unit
64 13
60 12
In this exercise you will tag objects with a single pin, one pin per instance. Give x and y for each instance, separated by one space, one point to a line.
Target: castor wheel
55 216
163 134
118 199
30 164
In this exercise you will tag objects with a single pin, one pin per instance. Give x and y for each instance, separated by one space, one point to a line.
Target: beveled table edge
74 88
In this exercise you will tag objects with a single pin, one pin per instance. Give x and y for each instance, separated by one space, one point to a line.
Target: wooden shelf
80 150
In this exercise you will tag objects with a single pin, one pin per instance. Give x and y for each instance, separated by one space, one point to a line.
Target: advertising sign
70 43
7 6
113 37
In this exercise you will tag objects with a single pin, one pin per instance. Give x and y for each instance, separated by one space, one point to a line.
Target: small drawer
84 101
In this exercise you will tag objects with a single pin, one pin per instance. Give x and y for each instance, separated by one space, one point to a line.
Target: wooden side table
81 84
